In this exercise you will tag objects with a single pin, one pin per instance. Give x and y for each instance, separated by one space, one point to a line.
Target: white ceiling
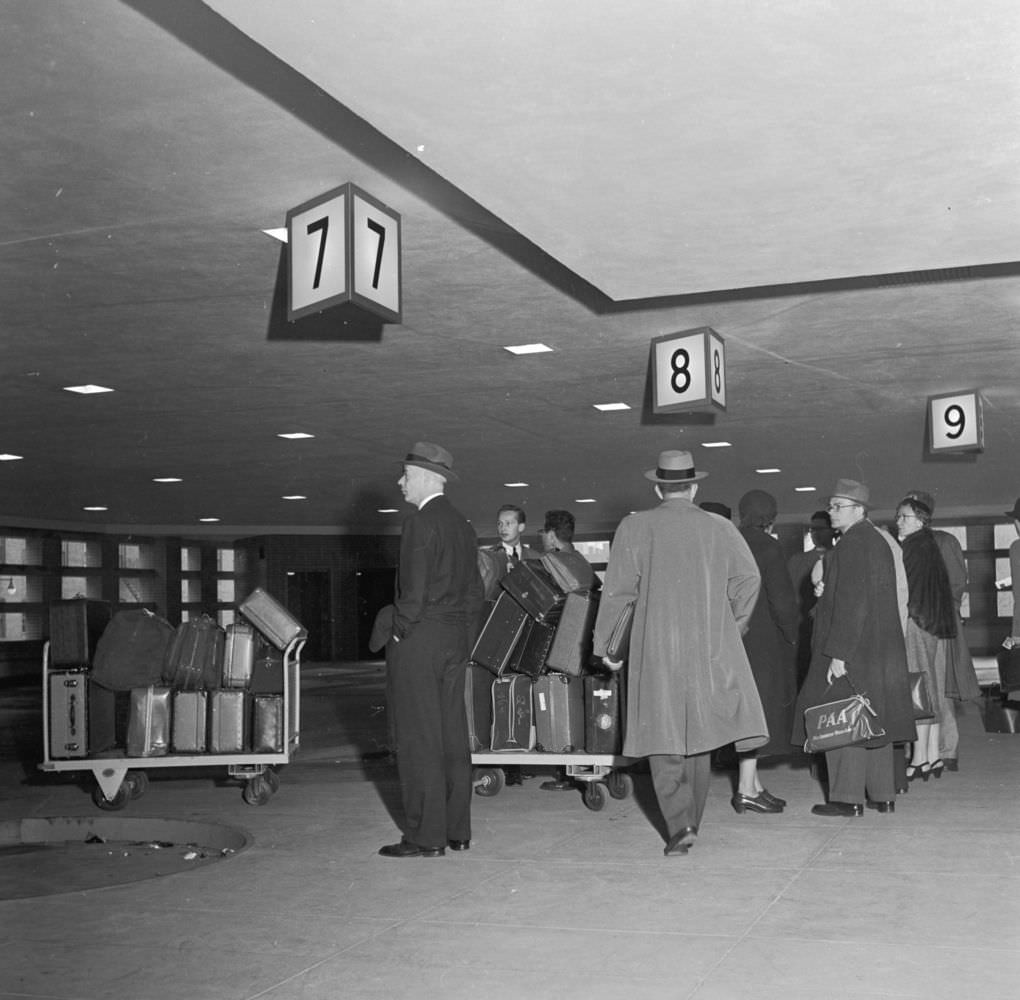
832 187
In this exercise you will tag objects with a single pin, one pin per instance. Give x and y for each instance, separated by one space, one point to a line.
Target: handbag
846 722
1008 662
920 697
618 647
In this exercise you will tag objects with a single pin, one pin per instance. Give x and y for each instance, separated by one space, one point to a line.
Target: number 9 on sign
689 369
956 422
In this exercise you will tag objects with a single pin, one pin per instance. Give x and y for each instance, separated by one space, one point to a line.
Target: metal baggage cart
597 773
119 778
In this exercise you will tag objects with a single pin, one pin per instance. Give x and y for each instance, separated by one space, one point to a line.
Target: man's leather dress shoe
839 809
407 850
680 842
883 807
459 845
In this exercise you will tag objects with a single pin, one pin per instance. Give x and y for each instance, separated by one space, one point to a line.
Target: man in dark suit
510 523
438 598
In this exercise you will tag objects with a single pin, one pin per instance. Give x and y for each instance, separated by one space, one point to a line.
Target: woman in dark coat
771 647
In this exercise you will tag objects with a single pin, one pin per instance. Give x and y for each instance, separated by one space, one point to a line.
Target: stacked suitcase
532 658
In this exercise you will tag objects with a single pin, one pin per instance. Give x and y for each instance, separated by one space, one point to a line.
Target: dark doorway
310 601
375 590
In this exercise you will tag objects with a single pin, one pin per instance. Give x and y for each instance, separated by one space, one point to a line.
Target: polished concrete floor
552 900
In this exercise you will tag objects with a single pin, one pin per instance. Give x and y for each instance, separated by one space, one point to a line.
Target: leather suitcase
559 713
478 703
68 714
534 590
267 671
529 655
102 718
603 714
75 629
571 648
499 634
267 723
148 732
190 722
131 651
238 655
228 722
618 646
272 619
513 726
194 658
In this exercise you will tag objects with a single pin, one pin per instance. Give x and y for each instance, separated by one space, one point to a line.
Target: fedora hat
850 489
1015 512
674 467
430 456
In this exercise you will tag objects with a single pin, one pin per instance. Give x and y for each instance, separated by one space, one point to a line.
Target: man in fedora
858 641
689 684
438 598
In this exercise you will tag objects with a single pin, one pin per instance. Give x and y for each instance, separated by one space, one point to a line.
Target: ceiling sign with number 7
688 369
344 246
956 422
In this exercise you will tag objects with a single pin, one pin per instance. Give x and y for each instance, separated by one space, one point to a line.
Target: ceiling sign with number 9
344 246
688 369
956 422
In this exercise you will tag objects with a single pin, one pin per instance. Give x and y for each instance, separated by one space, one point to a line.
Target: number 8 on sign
689 369
956 422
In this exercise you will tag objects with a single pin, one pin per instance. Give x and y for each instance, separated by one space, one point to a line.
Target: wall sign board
688 370
956 422
344 246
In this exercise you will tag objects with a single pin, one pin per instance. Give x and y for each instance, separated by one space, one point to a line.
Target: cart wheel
272 779
595 797
620 785
119 800
257 791
136 783
489 781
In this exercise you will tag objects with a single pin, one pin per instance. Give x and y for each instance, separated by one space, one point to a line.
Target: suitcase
478 703
603 727
148 732
190 722
238 655
571 648
534 589
267 723
559 713
194 658
618 646
102 718
499 634
513 726
75 629
68 714
272 619
554 564
131 651
1008 662
529 655
228 722
267 671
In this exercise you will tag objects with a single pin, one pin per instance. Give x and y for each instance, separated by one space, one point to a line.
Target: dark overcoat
689 685
857 620
771 639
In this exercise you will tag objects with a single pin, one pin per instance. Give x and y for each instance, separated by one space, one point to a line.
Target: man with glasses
858 645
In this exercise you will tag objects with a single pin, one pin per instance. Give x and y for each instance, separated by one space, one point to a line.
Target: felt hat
1015 512
430 456
926 499
674 467
850 489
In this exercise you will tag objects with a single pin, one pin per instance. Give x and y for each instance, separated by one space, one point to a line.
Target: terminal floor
552 900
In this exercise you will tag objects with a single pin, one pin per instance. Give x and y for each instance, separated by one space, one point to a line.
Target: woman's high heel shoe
921 771
937 768
747 803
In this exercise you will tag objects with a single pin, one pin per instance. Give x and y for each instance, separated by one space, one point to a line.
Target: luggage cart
596 772
120 778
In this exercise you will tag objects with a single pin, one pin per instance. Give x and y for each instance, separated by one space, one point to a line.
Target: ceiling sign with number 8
688 369
956 422
344 246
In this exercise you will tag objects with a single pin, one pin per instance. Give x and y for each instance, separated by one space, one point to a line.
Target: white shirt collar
431 496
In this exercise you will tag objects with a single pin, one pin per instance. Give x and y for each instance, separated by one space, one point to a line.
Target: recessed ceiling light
586 500
277 234
387 510
295 436
765 472
804 489
515 485
95 508
294 496
167 479
10 458
208 520
86 390
716 444
528 349
606 407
